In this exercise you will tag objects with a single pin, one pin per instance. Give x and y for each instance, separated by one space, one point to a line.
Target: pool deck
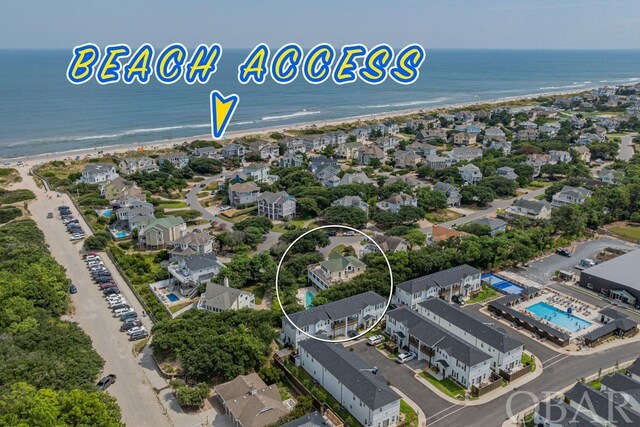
561 302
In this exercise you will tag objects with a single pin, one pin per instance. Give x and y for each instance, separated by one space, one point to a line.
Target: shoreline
111 149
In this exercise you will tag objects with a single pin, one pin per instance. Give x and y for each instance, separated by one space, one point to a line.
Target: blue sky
463 24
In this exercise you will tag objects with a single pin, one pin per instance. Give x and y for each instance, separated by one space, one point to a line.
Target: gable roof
433 334
493 337
337 262
388 243
220 297
441 279
534 206
200 262
337 309
347 366
275 198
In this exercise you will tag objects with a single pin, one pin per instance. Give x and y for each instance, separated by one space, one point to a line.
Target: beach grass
628 232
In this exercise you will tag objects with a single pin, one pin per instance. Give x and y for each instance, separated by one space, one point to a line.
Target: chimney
226 282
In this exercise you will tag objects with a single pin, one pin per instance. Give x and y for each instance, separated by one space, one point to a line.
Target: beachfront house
130 165
178 160
233 151
98 173
264 150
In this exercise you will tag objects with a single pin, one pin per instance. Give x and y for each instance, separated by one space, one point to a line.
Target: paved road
137 400
626 148
495 206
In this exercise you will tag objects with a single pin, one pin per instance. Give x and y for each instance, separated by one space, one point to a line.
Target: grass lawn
257 291
485 292
410 416
447 386
442 215
172 205
595 384
177 307
526 359
628 232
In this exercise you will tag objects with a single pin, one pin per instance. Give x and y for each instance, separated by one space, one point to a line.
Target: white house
336 269
470 174
189 272
569 195
335 319
396 201
217 298
98 173
461 280
532 209
354 383
505 352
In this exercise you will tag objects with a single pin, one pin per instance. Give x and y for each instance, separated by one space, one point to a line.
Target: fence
496 382
300 388
511 376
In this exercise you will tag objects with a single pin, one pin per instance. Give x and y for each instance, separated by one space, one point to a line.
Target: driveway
626 148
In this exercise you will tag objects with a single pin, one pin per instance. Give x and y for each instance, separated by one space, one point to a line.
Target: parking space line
438 413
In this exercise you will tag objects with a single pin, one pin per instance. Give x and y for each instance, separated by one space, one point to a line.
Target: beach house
335 269
98 173
276 206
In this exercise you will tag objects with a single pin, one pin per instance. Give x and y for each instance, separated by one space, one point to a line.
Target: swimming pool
106 212
121 234
308 299
173 297
504 286
558 317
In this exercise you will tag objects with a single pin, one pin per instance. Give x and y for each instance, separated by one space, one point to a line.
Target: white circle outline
347 338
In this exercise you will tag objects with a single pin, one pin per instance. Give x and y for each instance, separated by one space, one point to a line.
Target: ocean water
41 112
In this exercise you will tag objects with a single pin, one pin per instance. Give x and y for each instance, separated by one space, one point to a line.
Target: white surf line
438 413
448 415
557 361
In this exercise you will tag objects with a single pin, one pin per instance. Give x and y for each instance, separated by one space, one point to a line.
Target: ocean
41 112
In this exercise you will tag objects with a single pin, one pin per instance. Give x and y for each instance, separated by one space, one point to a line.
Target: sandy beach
29 161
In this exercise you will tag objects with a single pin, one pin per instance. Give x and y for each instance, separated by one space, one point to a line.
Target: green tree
343 215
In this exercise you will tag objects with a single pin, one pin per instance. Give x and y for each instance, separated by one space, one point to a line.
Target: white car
224 208
405 357
349 233
77 237
375 340
115 302
136 329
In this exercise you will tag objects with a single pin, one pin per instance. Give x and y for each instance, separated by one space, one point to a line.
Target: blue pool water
558 317
502 285
308 300
121 234
106 212
173 297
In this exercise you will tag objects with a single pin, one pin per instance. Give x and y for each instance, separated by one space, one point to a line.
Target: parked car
563 252
138 336
135 329
121 311
50 215
73 289
119 306
105 382
375 340
457 300
111 291
129 315
128 324
330 233
224 208
349 233
76 237
405 357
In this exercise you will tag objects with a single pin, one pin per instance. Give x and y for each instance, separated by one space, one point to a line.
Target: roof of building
389 243
532 205
337 309
243 187
452 314
563 414
599 402
193 238
439 233
275 198
164 222
220 297
98 168
200 261
313 419
370 388
621 270
492 223
337 262
576 192
620 382
440 279
634 368
255 407
444 187
432 334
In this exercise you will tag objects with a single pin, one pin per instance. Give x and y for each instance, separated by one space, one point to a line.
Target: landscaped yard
172 205
321 394
485 292
628 232
257 291
528 360
410 416
447 386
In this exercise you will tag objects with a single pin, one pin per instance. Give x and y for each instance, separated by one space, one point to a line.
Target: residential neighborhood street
626 147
